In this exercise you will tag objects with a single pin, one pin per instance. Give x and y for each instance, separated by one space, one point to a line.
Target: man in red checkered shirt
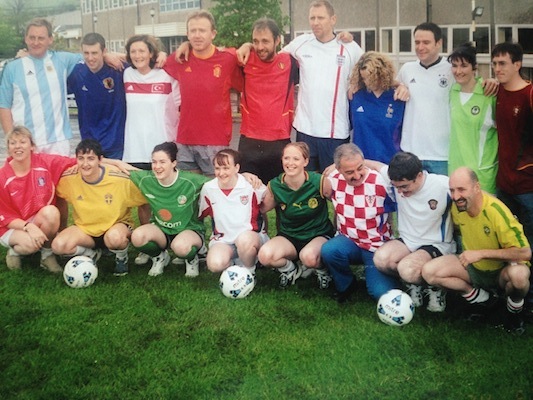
362 204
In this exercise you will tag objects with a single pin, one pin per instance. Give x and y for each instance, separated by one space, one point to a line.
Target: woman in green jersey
304 224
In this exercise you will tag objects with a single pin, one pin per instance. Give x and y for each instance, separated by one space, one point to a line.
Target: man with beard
267 103
495 251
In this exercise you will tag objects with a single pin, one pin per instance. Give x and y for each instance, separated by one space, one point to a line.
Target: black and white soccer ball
236 282
395 308
80 272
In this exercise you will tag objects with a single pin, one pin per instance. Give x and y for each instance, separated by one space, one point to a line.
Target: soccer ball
236 282
395 308
80 272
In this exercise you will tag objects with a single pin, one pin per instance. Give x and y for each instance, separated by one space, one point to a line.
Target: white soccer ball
395 308
236 282
80 272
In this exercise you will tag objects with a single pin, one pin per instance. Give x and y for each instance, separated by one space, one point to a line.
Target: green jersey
473 137
303 213
174 207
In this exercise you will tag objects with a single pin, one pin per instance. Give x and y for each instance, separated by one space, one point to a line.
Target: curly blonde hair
379 66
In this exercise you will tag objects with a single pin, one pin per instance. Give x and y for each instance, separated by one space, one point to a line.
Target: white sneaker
437 299
192 269
142 258
323 278
289 278
416 293
159 263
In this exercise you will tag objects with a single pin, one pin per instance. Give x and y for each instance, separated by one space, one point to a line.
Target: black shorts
261 157
300 244
431 250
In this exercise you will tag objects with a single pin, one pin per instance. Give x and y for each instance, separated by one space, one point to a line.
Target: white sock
12 252
45 253
289 266
476 295
121 254
514 307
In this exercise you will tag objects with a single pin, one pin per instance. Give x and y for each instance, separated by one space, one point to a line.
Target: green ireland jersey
303 213
174 207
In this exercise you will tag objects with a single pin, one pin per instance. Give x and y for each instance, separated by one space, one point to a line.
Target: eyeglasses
404 186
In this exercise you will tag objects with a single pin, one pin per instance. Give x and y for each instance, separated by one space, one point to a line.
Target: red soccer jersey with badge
362 211
23 196
267 103
205 84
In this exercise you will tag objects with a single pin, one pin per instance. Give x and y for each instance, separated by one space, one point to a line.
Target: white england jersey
232 213
35 91
152 107
424 218
426 121
322 109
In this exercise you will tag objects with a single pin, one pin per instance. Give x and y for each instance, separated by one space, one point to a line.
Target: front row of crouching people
494 261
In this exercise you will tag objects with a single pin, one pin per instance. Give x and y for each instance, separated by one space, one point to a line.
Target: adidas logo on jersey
412 80
360 109
129 88
84 88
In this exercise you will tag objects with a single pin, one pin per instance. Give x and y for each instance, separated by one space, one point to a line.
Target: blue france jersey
35 91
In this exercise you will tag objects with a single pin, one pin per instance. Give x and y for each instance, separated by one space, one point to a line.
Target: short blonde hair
201 14
19 130
302 146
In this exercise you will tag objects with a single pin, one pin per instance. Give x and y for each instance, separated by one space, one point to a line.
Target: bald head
466 191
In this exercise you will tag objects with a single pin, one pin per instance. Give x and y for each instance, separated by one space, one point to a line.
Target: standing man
362 204
424 225
325 62
33 91
496 251
514 121
428 80
205 80
99 91
267 102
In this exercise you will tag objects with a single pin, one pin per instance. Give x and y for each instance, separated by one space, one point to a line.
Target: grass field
169 337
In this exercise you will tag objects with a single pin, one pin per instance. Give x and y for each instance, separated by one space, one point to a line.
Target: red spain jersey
205 83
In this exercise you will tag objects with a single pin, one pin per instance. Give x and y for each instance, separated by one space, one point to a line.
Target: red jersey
267 103
205 83
23 196
512 112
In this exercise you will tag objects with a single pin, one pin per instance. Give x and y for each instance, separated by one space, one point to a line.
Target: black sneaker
479 312
346 296
121 266
513 323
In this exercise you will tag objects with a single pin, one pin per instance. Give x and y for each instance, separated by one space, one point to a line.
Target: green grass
169 337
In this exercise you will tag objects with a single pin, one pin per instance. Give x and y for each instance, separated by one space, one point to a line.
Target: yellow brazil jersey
100 205
495 227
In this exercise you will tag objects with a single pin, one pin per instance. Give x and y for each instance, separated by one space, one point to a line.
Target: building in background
382 25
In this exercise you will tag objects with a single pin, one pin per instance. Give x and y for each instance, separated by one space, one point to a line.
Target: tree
234 19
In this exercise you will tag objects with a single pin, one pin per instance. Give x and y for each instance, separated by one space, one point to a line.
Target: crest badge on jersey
182 199
108 198
486 230
41 181
390 111
443 81
281 65
475 110
217 70
433 204
312 203
370 200
109 83
244 199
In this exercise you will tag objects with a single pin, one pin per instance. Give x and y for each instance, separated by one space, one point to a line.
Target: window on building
482 39
387 41
460 36
504 34
370 40
357 37
406 40
445 41
175 5
525 38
